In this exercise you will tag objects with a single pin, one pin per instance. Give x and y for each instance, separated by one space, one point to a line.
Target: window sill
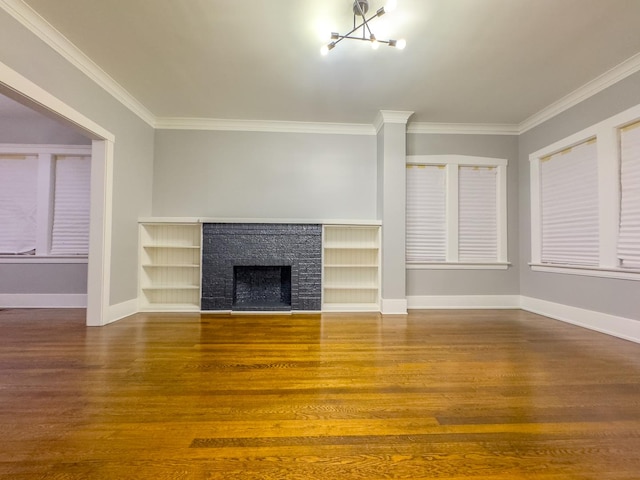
458 266
624 274
36 259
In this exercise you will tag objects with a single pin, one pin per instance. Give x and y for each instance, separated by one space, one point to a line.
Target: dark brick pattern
225 245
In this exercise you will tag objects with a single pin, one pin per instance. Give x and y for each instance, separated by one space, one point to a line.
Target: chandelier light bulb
400 44
324 50
390 6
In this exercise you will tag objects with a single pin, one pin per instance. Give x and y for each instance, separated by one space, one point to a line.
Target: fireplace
261 267
261 288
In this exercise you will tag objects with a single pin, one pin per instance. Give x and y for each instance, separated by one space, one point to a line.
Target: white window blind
629 236
426 213
477 217
569 206
18 203
70 233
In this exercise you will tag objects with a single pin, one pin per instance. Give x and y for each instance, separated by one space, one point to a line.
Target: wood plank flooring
483 395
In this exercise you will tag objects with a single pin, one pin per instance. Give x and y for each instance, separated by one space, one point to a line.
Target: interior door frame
21 89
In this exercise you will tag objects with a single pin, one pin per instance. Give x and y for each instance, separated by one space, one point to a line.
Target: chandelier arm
359 38
356 27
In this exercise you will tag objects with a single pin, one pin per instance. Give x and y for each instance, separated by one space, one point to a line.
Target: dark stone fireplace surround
229 245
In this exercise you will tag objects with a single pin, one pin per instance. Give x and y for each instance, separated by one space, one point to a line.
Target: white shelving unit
351 268
170 265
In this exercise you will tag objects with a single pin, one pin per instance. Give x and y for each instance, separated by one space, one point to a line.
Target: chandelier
360 9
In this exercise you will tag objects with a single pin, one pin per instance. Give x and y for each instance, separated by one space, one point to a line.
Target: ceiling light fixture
360 9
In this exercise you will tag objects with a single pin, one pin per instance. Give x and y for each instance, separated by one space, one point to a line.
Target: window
569 202
18 201
456 212
44 200
629 237
585 201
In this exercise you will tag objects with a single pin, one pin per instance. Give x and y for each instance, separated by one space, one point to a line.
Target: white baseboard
463 301
121 310
43 300
395 306
620 327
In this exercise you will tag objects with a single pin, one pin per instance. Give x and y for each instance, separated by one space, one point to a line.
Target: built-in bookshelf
170 265
351 268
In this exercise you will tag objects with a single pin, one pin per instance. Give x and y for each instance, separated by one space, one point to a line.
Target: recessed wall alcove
261 267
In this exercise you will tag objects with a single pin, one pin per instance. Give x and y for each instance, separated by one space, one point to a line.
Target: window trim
607 138
452 163
46 154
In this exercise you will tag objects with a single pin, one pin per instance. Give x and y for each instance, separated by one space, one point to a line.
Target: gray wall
472 282
133 164
37 129
612 296
264 175
50 278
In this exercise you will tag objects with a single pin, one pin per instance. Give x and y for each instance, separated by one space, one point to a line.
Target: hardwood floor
484 395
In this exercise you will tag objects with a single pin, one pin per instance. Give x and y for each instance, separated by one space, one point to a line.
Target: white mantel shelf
310 221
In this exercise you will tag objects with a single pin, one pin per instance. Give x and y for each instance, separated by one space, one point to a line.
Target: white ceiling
467 61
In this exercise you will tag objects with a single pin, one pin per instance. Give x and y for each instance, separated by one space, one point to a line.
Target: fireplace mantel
301 221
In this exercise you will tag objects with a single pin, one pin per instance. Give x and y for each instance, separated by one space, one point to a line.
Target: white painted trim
390 116
40 149
43 300
350 307
462 301
463 128
623 274
607 79
122 310
456 160
395 116
310 221
99 270
19 87
393 306
620 327
458 266
272 126
37 25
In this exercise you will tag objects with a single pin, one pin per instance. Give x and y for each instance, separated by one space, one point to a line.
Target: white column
392 197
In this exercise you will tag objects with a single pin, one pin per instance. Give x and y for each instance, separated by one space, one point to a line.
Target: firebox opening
261 288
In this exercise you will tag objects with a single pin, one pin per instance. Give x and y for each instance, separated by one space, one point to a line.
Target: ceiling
466 61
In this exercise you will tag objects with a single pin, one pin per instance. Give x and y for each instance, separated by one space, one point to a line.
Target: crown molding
463 128
37 25
607 79
391 116
31 20
263 126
